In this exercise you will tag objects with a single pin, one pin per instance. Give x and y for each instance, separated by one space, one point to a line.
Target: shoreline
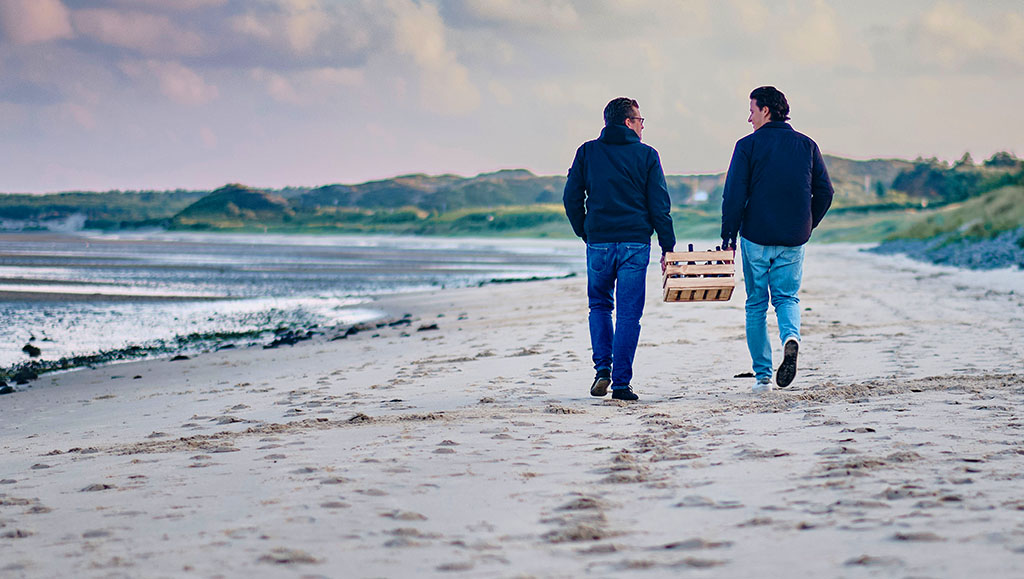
23 373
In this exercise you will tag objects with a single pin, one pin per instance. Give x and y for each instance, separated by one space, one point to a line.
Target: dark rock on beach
5 389
32 351
353 330
288 338
24 376
1004 250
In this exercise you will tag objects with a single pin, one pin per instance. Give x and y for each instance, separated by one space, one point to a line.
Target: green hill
234 206
439 193
981 217
863 182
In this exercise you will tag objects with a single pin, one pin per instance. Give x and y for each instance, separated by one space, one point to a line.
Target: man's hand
728 243
662 263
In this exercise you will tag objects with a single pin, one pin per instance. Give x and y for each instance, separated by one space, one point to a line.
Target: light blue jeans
770 271
619 268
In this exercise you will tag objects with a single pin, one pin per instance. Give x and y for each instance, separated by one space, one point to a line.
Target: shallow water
82 294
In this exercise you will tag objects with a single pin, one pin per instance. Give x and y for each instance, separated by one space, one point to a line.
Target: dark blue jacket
777 188
616 191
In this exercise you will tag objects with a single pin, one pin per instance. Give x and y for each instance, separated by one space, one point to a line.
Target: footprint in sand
335 480
917 537
694 545
463 566
335 505
583 504
282 556
701 501
869 561
404 516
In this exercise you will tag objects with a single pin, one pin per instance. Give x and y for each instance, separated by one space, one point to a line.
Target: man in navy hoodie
615 198
777 190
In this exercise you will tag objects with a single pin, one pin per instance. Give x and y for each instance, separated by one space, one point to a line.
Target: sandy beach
465 444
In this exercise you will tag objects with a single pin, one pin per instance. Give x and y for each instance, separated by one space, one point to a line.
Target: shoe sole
632 399
787 370
600 387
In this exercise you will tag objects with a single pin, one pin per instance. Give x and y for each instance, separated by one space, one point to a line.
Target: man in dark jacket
615 198
776 192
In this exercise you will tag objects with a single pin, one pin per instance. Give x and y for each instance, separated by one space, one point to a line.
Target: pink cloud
175 80
151 34
34 21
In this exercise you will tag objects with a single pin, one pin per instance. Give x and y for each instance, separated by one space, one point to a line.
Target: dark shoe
624 394
601 383
787 369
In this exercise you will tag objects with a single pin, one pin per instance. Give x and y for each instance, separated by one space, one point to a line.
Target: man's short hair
618 110
771 97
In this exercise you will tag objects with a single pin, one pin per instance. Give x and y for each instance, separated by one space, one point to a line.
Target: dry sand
474 450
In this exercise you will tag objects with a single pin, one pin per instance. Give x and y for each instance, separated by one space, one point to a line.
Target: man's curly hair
771 97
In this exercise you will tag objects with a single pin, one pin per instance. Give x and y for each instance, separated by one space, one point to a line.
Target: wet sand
475 450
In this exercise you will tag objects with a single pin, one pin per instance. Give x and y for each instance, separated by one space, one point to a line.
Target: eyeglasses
641 119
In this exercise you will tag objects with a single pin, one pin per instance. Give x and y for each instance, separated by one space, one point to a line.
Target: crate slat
698 283
699 276
719 294
686 269
698 256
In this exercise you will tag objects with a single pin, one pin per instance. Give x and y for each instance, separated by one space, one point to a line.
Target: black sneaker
601 383
624 394
787 369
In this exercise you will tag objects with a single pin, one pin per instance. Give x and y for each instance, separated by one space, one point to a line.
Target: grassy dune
982 217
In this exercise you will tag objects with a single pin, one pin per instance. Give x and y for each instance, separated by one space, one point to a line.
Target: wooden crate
699 276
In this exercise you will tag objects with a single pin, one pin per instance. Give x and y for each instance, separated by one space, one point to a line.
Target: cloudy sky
157 94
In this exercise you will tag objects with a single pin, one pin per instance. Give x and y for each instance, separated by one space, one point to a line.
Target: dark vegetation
875 200
106 210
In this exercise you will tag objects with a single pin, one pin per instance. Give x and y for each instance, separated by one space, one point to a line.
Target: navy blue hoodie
777 188
616 191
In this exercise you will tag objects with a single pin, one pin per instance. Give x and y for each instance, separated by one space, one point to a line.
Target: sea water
77 295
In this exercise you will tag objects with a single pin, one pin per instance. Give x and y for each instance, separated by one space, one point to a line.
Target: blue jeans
771 271
621 267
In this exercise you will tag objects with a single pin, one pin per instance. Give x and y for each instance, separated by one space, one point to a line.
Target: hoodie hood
618 135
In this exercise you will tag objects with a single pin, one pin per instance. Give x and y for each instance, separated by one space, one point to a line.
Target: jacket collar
618 135
776 125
